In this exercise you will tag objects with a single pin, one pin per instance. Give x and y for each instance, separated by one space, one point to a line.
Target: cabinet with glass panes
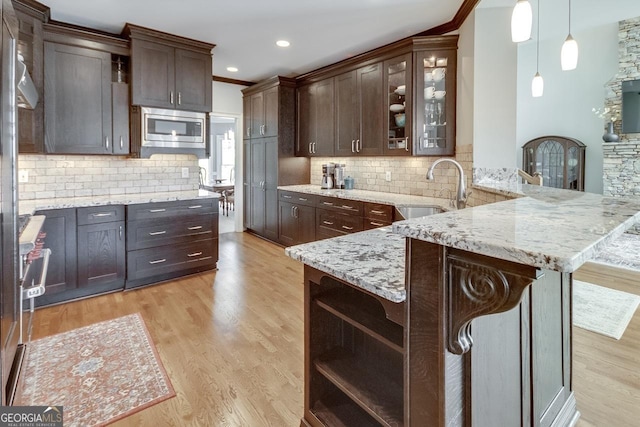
397 78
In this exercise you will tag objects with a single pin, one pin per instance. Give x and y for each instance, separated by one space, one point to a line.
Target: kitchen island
470 325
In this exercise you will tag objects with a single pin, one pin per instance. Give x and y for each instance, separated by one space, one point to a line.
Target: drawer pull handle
348 207
197 227
327 222
286 197
157 233
157 210
302 199
158 261
194 254
99 215
195 207
377 224
377 212
347 228
327 203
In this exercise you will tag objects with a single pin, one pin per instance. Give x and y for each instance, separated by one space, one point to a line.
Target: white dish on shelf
438 74
396 108
400 90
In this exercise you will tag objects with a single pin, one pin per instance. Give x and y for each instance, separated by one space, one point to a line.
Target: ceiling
321 32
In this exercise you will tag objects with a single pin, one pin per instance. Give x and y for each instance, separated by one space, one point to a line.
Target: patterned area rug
602 310
623 252
99 374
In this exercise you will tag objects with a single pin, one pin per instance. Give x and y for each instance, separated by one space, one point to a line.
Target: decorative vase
609 136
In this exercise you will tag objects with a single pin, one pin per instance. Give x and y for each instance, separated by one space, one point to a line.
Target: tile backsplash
76 176
408 174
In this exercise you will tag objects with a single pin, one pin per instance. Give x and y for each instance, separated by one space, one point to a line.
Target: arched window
559 159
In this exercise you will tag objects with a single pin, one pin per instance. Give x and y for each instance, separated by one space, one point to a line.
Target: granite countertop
548 228
370 196
31 206
372 260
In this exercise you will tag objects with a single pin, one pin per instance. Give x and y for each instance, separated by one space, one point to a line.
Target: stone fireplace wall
621 166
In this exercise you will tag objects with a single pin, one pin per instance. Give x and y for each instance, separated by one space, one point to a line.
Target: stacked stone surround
621 161
78 176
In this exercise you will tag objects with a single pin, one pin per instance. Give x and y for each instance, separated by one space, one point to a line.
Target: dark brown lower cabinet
166 240
354 355
297 224
87 252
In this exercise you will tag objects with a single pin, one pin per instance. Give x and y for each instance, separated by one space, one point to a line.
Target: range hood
27 93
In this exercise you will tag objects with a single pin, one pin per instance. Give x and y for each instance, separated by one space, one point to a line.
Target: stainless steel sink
408 212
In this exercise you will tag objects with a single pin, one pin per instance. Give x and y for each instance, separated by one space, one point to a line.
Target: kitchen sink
408 212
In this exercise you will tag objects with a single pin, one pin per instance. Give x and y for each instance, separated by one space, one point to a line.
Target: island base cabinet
353 357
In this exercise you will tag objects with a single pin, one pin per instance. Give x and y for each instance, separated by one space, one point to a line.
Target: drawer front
166 231
297 198
340 205
171 209
370 224
169 259
100 214
378 211
334 221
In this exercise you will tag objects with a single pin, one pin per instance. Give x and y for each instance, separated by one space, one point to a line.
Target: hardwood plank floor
232 343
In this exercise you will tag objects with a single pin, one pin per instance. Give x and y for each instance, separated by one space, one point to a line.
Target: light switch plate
23 175
387 176
185 172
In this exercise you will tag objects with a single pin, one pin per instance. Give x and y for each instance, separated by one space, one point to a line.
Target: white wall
569 96
464 104
494 83
227 98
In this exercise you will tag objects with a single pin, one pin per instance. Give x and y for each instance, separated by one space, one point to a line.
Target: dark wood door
60 229
270 188
257 115
256 204
306 224
306 130
287 224
322 113
120 110
193 81
101 255
152 74
271 108
246 118
372 104
346 114
78 100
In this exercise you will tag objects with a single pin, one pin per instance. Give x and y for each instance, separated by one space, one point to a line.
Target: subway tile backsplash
76 176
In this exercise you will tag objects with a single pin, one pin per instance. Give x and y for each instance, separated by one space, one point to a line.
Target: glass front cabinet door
435 102
397 77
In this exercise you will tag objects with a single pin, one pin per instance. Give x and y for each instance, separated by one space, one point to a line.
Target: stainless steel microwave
173 128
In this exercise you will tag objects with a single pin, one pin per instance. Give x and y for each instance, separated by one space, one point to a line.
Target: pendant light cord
538 41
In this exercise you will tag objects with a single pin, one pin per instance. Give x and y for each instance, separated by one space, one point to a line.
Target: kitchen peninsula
396 331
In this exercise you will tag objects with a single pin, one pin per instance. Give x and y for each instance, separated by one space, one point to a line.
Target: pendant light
569 53
521 21
537 85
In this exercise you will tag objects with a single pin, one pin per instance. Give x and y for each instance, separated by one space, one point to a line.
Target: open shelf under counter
337 410
364 313
378 394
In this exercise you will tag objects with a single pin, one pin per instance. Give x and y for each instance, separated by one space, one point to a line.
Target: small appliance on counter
327 176
348 183
338 176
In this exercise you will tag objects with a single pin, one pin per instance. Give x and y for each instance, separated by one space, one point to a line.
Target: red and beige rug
99 373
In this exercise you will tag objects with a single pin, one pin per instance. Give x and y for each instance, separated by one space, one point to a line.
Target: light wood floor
232 343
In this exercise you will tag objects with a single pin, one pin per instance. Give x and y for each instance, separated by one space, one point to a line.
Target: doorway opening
218 171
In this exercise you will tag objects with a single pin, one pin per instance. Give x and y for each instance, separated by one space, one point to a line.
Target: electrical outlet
23 175
185 172
387 176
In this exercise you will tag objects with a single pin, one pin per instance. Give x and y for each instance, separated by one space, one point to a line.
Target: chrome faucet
461 194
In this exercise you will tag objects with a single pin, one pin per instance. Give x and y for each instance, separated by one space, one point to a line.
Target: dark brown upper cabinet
31 16
396 100
169 71
316 121
261 114
85 113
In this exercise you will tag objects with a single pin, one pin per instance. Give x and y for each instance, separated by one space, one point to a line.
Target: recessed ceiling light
232 69
283 43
